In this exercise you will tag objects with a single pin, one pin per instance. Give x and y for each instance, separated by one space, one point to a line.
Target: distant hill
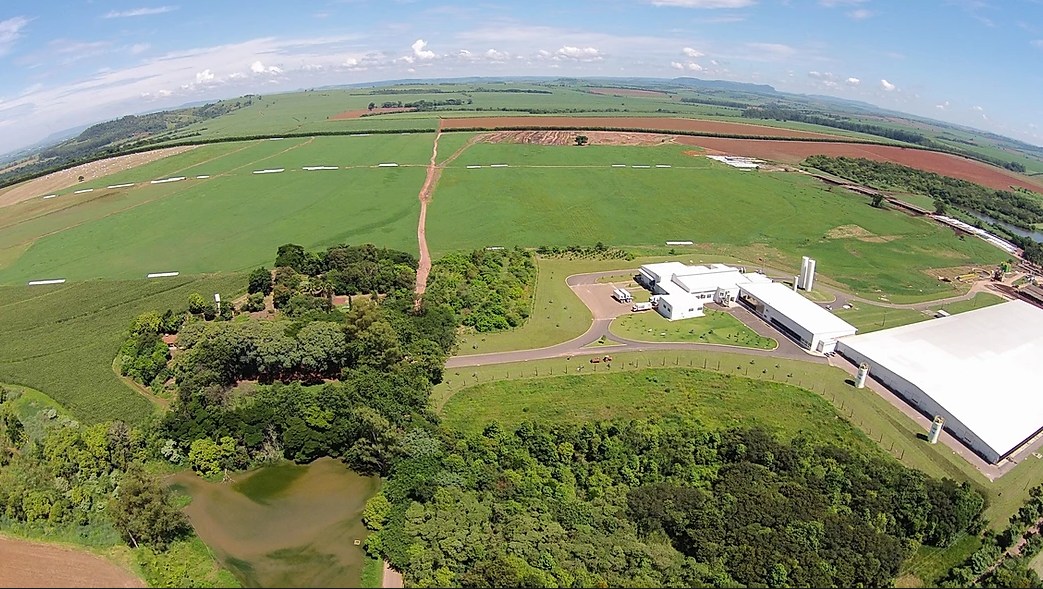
725 85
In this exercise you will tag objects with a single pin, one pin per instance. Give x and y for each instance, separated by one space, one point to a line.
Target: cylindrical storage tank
809 280
803 271
796 283
936 429
860 380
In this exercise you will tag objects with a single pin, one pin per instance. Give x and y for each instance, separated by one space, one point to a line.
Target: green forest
660 502
488 290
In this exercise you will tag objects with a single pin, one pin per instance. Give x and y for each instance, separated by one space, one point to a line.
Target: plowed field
28 564
931 161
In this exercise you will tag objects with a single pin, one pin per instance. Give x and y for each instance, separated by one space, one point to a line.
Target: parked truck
622 296
641 307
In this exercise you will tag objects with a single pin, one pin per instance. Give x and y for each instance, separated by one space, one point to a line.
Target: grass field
867 317
980 300
716 327
717 400
231 221
61 339
533 203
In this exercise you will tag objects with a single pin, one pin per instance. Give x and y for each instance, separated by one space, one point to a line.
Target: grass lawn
372 572
867 317
67 336
232 221
980 300
718 400
565 195
929 564
716 327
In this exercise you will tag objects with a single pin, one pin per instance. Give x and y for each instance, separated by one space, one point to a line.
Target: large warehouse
808 324
975 369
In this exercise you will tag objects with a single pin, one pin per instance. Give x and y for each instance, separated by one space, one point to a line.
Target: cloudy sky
63 64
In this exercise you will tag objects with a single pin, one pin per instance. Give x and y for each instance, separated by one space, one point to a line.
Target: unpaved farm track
90 171
537 137
29 564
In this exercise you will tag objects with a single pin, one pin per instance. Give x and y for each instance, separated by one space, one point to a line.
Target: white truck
622 296
641 307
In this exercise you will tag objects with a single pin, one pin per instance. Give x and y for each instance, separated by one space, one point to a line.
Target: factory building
973 373
806 323
680 291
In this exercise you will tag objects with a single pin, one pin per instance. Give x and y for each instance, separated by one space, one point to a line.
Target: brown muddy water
285 525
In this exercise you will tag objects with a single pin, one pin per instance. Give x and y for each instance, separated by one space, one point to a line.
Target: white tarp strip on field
51 281
162 274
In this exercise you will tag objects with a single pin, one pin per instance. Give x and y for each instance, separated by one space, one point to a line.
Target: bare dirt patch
30 564
628 92
858 232
793 152
70 177
362 112
569 137
664 124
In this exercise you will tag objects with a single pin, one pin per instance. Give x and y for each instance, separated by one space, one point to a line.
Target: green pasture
867 317
464 398
718 400
715 327
566 156
980 300
61 339
532 205
231 221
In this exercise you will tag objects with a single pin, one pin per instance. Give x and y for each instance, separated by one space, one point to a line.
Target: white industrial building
977 370
680 291
805 322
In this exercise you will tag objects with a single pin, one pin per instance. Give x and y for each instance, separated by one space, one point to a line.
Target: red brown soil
569 137
628 92
358 114
643 123
29 564
932 161
38 187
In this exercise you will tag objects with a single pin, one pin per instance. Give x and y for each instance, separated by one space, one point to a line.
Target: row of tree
488 290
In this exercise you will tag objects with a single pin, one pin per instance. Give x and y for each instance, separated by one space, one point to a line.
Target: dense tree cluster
489 290
599 251
352 269
655 503
1023 209
68 474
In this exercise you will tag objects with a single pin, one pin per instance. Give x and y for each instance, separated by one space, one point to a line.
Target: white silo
809 278
796 283
936 429
803 271
863 372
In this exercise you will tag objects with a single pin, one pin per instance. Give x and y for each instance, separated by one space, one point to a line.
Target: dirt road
424 264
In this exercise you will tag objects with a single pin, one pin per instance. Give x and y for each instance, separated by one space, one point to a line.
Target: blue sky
972 62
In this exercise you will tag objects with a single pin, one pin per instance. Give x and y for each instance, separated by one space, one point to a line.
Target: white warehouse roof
980 366
797 308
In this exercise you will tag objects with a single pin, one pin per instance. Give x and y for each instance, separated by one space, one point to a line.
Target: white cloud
833 3
237 76
10 32
259 68
578 53
1037 43
204 76
419 52
977 108
852 81
942 106
704 3
690 66
692 52
139 48
860 14
887 86
494 55
464 54
140 12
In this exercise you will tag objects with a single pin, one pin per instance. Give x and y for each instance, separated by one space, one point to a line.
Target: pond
286 525
1033 235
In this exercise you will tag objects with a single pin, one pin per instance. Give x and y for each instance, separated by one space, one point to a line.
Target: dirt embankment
643 123
359 113
932 161
30 564
90 171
